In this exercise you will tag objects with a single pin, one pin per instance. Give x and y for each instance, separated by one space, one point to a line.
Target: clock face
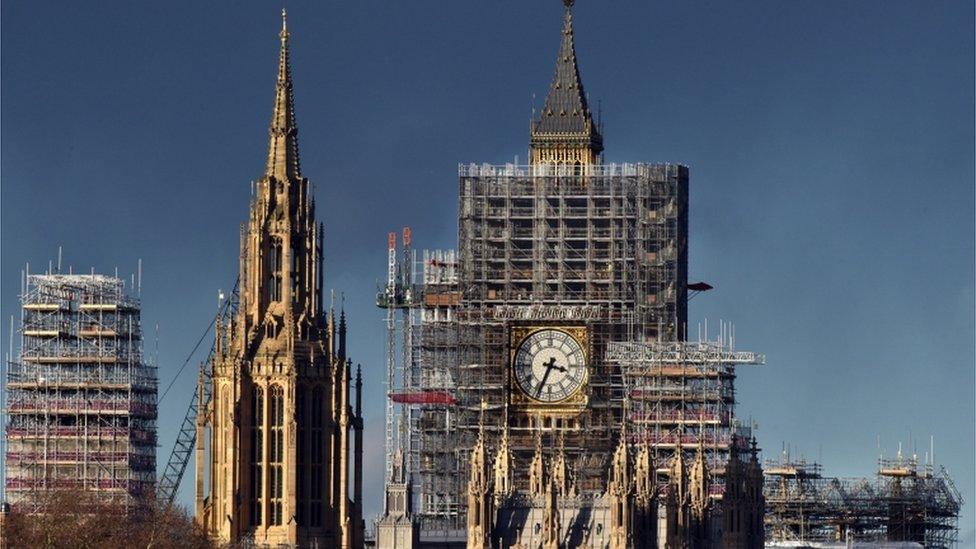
549 365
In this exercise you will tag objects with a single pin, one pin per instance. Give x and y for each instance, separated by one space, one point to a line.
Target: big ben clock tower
558 259
549 398
510 403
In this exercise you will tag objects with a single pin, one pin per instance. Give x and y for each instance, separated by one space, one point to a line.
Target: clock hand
549 366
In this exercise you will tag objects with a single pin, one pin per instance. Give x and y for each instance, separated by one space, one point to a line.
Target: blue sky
830 145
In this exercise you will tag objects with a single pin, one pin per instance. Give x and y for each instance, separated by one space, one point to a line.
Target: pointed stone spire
678 510
537 474
678 463
330 327
399 474
398 528
620 474
283 164
344 423
620 492
342 328
644 473
698 481
551 523
756 476
564 132
503 468
480 508
645 498
560 470
565 110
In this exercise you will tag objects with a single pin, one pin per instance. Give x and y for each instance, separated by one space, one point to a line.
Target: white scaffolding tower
81 402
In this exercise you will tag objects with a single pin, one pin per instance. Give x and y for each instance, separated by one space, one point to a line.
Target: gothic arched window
225 434
294 275
257 453
316 413
301 422
275 264
276 453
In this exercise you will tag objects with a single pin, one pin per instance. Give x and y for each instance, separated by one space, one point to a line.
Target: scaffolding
420 297
600 248
904 502
681 394
537 244
81 403
436 475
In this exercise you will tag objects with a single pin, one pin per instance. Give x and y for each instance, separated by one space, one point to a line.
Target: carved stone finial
284 26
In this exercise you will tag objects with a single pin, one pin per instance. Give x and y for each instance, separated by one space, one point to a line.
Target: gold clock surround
568 406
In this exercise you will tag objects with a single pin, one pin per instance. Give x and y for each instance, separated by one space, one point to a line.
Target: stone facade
638 508
398 528
743 504
283 432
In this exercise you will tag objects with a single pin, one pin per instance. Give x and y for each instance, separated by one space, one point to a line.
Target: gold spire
283 164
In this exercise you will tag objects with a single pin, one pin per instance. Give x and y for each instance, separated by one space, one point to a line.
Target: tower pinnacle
279 363
565 132
283 163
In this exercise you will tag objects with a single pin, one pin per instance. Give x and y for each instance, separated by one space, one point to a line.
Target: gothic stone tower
282 425
558 261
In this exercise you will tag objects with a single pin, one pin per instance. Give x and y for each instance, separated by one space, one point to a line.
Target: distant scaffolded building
904 505
81 402
544 393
